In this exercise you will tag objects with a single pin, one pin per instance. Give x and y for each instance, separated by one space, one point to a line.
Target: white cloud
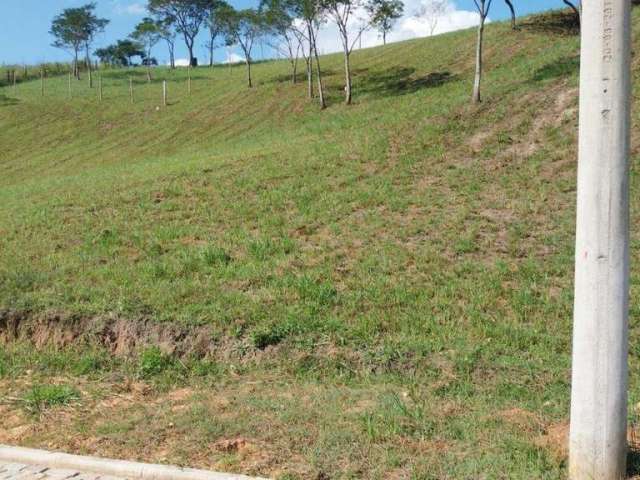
234 58
125 8
409 26
231 58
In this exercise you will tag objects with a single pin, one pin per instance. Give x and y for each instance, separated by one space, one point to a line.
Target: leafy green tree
383 15
148 34
69 32
93 27
242 28
128 49
120 53
108 55
188 17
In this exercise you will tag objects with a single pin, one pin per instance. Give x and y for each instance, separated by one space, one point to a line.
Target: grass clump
41 397
154 362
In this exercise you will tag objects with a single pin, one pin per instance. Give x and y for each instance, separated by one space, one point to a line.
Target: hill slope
385 288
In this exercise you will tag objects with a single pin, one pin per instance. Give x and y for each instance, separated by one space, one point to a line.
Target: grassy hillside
388 285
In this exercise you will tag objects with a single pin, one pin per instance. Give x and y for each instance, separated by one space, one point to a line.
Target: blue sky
24 25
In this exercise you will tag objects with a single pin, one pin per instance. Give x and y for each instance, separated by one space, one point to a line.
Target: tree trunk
248 62
309 75
189 43
172 60
513 13
478 76
211 53
323 105
384 38
347 77
89 67
148 72
76 69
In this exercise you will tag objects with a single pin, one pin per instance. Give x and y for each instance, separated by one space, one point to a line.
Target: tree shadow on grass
556 22
8 101
633 461
301 76
401 81
562 67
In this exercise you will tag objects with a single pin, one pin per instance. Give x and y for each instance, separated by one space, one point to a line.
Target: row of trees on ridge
290 27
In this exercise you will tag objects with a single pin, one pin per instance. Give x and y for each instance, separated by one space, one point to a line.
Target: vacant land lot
375 291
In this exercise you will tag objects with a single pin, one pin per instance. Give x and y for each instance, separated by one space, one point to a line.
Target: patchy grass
41 397
388 285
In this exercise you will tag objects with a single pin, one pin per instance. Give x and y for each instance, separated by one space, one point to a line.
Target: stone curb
116 468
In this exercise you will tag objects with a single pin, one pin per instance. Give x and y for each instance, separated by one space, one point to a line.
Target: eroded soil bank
121 337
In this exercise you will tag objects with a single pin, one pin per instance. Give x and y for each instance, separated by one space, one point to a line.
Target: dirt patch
555 438
122 337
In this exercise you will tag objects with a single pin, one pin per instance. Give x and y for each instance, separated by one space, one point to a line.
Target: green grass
396 276
41 397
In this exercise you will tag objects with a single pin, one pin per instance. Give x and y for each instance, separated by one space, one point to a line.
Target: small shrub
41 397
153 362
265 337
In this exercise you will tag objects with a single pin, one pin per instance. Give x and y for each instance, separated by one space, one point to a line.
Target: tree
483 7
310 15
93 27
432 11
279 24
147 33
242 28
513 13
342 12
69 32
214 26
383 15
109 55
121 53
167 31
127 49
188 16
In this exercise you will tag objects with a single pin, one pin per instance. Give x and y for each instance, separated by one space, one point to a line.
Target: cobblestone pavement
17 471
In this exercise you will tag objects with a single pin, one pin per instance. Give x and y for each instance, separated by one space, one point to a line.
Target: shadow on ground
633 462
401 81
562 67
8 101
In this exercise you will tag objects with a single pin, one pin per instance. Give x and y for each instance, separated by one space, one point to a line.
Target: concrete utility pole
598 445
42 82
69 84
131 89
100 88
